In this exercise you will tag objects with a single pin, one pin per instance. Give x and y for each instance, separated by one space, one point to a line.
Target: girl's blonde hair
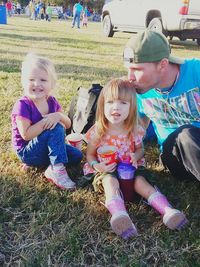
31 61
117 89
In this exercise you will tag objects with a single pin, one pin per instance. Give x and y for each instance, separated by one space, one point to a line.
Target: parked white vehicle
180 18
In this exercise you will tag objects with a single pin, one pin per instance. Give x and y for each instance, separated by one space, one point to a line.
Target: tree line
93 4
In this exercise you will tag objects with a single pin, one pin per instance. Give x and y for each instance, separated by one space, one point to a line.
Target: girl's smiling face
36 83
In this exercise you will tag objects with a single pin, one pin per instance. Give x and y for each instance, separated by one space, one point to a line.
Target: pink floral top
124 145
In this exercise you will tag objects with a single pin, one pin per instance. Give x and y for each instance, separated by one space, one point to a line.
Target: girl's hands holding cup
102 167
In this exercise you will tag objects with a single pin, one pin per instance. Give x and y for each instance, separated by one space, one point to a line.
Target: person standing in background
77 10
9 7
48 12
18 8
85 17
31 6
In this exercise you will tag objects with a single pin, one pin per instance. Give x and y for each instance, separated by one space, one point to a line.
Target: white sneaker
174 219
60 178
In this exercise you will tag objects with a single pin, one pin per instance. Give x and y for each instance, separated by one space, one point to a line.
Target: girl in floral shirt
116 125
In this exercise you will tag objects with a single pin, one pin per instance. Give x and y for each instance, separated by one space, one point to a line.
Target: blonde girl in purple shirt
38 123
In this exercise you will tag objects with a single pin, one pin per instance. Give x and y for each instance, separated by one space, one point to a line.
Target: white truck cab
180 18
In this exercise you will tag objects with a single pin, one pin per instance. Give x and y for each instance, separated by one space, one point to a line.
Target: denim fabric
76 17
50 148
181 152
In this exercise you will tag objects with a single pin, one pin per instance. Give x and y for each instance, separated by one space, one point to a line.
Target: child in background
48 12
42 13
116 125
38 123
85 18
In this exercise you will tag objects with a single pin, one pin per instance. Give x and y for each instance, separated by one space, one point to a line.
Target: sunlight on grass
41 225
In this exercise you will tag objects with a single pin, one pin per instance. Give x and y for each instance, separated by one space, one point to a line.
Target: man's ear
163 64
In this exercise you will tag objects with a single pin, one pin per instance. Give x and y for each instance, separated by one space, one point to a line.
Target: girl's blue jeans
49 148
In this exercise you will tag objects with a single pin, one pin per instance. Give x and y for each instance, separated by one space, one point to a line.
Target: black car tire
107 27
198 41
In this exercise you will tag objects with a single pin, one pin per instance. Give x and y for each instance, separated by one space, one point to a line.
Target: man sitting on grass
168 91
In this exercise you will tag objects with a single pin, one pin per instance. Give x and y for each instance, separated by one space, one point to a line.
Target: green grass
41 225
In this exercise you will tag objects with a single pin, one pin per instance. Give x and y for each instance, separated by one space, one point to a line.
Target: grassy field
41 225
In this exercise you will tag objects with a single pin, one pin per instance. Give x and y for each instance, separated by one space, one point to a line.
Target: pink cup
107 154
75 140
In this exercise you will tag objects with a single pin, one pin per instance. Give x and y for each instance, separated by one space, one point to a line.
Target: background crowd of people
13 8
40 10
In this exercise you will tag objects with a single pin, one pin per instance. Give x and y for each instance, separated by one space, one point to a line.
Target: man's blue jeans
77 17
50 148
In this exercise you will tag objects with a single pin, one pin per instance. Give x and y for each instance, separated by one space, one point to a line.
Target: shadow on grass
10 66
182 45
76 72
67 71
68 42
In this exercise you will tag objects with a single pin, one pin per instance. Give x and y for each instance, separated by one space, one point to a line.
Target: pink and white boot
120 221
172 218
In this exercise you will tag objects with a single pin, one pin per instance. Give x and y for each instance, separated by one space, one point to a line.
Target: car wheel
198 41
107 27
156 25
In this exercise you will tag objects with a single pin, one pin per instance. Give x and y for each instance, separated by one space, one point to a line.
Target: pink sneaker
60 178
174 219
122 225
120 221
